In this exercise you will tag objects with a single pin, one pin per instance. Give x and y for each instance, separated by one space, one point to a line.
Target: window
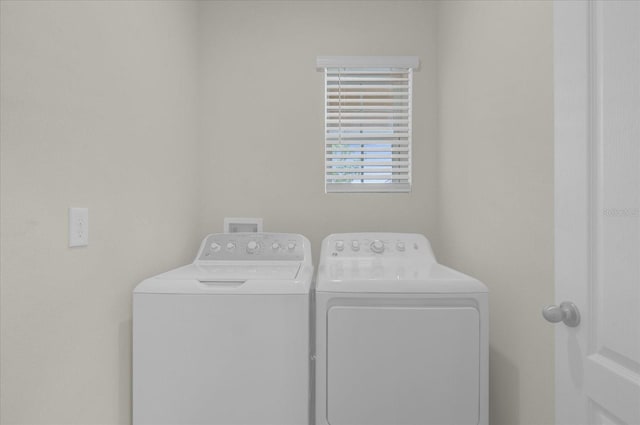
367 123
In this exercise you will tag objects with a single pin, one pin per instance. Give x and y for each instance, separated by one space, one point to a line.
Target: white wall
262 113
496 185
98 110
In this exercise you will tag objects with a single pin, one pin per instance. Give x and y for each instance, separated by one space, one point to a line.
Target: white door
597 201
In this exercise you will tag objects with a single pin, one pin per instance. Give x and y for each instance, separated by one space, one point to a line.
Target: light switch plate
78 227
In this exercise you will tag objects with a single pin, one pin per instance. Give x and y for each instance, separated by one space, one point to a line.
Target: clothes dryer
400 339
225 340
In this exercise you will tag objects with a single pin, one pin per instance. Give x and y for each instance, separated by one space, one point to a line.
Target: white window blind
368 123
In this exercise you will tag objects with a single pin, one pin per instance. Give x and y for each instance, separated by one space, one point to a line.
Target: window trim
323 62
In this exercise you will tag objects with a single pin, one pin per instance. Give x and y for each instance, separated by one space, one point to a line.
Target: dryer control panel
253 247
396 245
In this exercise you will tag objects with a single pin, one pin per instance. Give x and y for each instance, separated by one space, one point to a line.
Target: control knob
215 247
231 246
377 246
291 246
339 245
275 246
252 246
355 245
400 246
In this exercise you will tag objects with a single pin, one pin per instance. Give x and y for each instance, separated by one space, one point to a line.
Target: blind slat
380 177
373 136
346 78
367 130
374 167
366 108
373 178
377 86
355 124
333 148
365 91
381 143
337 102
355 165
368 115
368 156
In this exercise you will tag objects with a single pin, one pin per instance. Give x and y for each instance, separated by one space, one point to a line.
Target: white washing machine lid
232 278
362 276
244 270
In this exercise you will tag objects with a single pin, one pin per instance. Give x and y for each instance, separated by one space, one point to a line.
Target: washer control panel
252 246
400 245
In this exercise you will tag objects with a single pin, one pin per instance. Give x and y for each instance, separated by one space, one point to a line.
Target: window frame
387 68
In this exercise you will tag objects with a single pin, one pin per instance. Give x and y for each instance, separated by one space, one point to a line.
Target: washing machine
400 339
226 340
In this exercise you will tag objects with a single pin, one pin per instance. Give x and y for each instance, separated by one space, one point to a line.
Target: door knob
566 312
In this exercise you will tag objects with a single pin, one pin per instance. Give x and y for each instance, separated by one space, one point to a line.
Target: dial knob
400 246
291 246
215 247
355 245
231 246
377 246
339 245
275 246
252 246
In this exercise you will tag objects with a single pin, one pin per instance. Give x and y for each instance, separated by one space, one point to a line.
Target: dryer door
403 365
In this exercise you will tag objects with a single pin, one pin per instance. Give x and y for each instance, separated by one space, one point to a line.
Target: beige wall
101 103
98 110
262 113
496 185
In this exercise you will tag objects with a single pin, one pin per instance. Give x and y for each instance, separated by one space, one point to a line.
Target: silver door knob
566 312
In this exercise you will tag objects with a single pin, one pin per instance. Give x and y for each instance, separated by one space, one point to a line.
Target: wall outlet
78 227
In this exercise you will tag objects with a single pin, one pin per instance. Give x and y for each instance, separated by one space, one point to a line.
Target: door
597 201
410 365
